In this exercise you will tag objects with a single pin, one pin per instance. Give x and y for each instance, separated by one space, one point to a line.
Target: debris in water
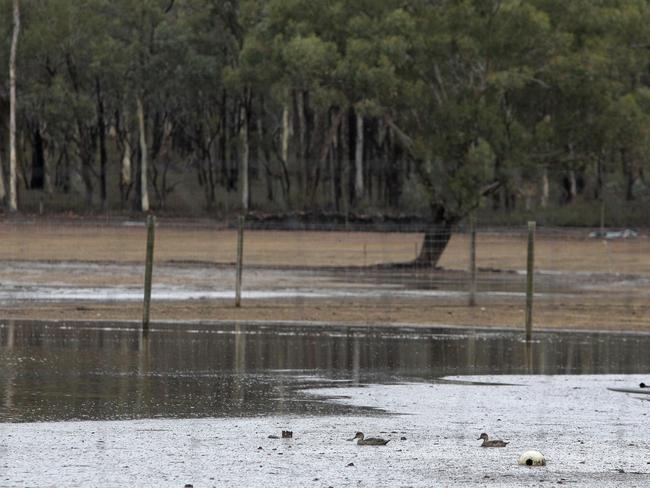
532 458
287 434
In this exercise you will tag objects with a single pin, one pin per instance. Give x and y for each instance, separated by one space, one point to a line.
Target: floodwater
25 281
101 404
107 371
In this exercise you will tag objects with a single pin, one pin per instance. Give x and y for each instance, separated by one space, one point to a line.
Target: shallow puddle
91 371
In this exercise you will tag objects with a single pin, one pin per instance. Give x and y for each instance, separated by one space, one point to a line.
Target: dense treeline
337 105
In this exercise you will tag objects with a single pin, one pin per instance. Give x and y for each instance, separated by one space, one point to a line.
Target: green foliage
472 97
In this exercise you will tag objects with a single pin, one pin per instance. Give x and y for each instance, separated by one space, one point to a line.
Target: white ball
532 458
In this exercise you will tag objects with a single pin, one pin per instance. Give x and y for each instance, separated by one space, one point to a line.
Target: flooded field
88 404
105 371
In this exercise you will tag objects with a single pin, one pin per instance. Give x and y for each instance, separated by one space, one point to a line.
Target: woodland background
393 109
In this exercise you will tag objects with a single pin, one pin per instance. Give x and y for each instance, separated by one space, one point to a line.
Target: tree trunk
47 164
245 152
332 179
630 176
358 161
263 158
286 135
435 241
37 181
302 164
344 165
101 129
3 192
573 186
126 169
13 194
86 152
598 193
144 192
545 188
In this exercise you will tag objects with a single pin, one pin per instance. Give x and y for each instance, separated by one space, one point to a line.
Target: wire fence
583 278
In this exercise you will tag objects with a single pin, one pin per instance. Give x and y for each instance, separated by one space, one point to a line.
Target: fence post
148 269
529 280
472 261
240 261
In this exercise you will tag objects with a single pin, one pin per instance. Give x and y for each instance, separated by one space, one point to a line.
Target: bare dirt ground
585 283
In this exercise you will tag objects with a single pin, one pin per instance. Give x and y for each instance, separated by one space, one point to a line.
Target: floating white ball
532 458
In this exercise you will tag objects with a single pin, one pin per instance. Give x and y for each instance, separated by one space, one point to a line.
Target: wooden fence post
529 280
148 270
240 261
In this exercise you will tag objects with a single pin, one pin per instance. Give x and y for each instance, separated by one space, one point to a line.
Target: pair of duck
375 441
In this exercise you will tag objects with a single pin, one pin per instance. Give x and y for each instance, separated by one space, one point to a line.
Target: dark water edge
102 371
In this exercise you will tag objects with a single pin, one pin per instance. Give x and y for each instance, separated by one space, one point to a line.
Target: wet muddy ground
590 436
186 291
68 270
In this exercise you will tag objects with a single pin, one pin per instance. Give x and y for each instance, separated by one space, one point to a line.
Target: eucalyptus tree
62 93
13 194
595 105
5 28
455 112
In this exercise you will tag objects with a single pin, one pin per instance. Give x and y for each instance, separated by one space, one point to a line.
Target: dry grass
562 251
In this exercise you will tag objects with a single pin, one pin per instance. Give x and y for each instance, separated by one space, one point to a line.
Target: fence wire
583 278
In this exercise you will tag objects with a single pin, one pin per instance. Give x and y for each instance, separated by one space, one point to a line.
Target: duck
370 441
491 443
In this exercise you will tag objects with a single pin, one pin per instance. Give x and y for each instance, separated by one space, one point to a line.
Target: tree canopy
428 107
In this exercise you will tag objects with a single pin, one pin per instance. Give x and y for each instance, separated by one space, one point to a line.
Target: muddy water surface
84 371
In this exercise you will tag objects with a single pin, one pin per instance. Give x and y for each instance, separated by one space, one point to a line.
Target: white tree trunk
125 172
144 168
358 160
286 133
302 150
545 188
245 154
13 195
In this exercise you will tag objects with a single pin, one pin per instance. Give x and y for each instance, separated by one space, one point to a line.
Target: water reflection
87 371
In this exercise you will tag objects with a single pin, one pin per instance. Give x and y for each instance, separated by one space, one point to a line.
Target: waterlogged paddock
78 371
80 270
87 404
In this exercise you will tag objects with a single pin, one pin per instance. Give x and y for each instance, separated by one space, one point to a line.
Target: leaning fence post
240 261
472 261
529 280
148 269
